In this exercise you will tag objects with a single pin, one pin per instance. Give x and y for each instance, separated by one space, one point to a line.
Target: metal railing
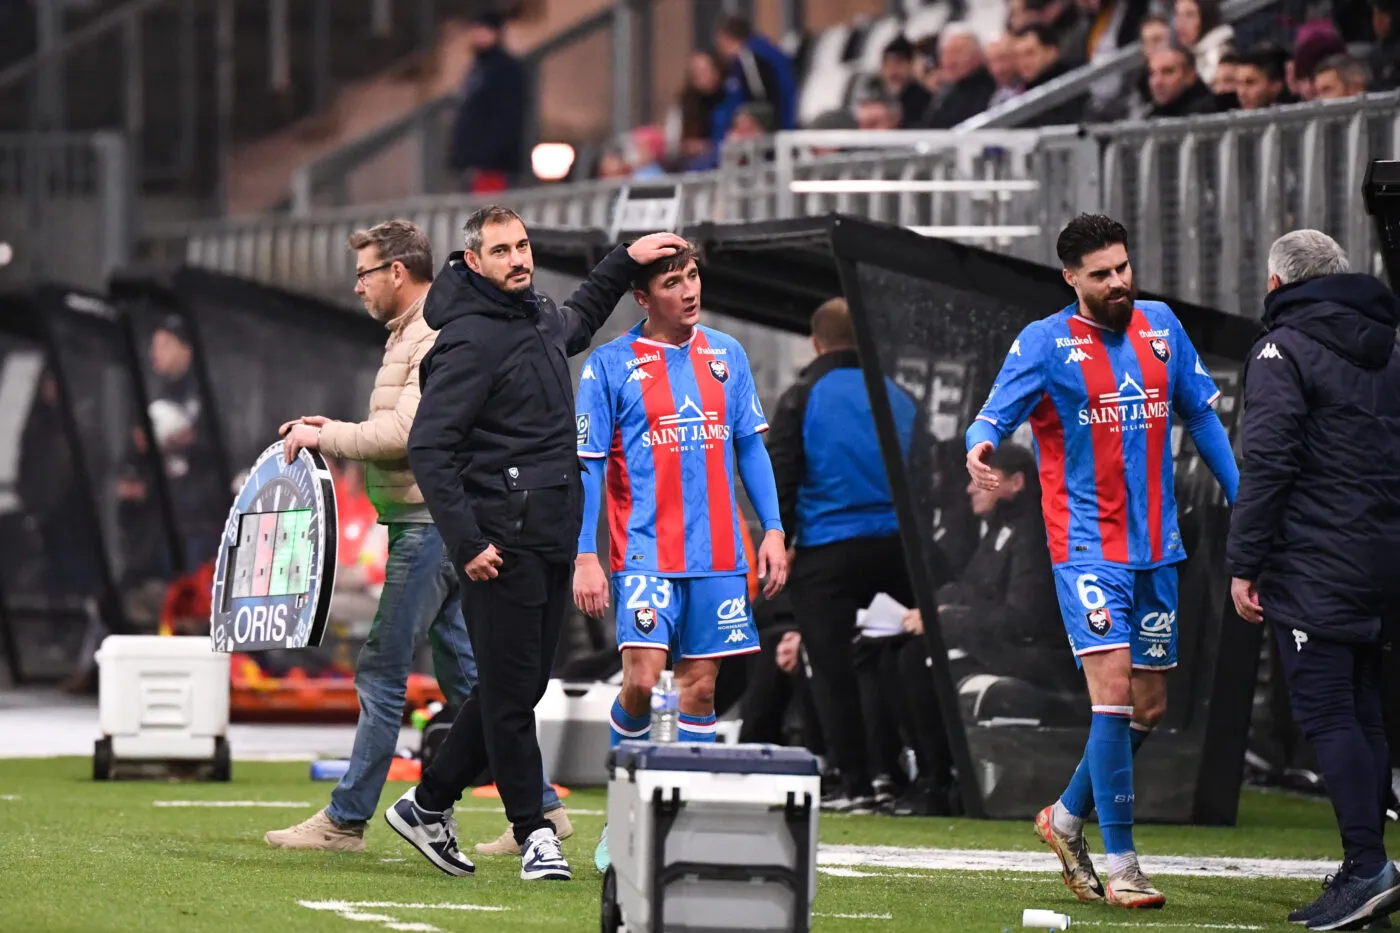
1033 103
1203 198
66 206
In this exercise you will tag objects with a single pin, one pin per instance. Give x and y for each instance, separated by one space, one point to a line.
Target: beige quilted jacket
381 440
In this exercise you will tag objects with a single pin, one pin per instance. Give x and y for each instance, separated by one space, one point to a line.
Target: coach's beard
1115 311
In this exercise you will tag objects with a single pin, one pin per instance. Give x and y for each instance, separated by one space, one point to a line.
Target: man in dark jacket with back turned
1315 532
492 448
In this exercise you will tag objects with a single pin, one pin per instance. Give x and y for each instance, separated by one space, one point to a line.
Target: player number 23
636 585
1090 595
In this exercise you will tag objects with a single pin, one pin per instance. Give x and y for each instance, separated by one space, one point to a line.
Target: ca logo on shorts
1158 623
645 620
732 610
1099 621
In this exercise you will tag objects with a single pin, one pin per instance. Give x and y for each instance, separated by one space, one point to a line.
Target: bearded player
666 411
1099 382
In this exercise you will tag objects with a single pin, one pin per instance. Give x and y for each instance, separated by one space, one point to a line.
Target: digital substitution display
275 569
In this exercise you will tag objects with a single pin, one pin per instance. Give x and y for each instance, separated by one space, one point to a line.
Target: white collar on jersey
666 346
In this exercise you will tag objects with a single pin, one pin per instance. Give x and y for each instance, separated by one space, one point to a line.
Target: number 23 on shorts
645 612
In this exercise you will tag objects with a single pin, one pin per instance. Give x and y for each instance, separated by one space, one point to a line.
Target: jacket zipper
524 504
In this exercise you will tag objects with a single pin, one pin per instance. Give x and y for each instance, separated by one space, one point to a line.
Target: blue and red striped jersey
1100 405
666 417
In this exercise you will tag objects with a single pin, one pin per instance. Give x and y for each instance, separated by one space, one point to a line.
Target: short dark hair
1270 60
1153 18
1011 459
398 241
899 47
677 261
1187 56
736 26
1211 17
482 218
1045 35
1088 233
831 324
1231 57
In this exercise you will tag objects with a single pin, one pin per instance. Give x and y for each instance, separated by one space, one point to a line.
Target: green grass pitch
82 857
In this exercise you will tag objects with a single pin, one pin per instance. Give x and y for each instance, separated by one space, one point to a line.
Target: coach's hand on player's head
654 246
773 563
983 476
484 566
590 586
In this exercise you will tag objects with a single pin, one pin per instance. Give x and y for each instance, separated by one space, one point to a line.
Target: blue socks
1078 798
625 726
1110 757
696 728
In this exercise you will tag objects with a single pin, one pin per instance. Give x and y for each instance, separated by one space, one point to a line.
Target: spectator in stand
897 72
1200 28
875 108
1063 19
1339 76
967 84
1018 16
757 71
488 138
1384 62
1110 25
1001 62
613 164
1154 34
926 65
699 100
751 121
1177 91
1259 79
1226 79
1038 55
1312 49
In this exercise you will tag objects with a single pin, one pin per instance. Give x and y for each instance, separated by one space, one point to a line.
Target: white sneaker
542 858
432 834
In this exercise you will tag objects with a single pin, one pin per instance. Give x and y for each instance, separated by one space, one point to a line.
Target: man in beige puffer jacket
393 269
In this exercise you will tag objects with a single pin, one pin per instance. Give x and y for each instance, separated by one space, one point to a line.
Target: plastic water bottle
665 708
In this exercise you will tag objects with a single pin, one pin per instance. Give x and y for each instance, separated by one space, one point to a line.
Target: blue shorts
692 617
1107 606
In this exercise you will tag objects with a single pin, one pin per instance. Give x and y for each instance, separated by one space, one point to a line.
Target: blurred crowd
1193 62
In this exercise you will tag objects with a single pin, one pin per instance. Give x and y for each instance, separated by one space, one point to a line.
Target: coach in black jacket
493 450
1316 531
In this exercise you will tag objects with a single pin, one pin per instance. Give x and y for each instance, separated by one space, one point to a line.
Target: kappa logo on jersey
1077 356
719 370
645 620
1158 623
1099 621
1131 408
1016 346
1270 352
587 373
1161 349
733 610
638 375
581 424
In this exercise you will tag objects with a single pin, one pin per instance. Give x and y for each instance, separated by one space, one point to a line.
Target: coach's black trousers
1335 690
829 584
514 622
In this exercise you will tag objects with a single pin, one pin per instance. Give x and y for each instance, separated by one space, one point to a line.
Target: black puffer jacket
493 444
1317 522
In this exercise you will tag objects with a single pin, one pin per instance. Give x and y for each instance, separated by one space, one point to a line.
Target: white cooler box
572 722
711 839
162 698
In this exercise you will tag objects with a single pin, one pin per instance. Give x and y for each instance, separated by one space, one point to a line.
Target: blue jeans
421 590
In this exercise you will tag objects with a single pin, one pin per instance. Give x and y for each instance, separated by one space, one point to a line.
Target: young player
1099 381
668 410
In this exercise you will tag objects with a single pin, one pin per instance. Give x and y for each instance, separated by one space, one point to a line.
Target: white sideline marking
277 804
854 916
9 796
992 860
1174 926
853 873
351 910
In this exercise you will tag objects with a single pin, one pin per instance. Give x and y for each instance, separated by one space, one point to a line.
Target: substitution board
275 570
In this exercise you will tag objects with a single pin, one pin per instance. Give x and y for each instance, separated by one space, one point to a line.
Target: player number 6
1090 595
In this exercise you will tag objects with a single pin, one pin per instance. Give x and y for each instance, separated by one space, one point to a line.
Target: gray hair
1306 254
481 218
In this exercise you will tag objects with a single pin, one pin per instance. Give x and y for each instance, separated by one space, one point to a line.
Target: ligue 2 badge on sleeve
275 570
